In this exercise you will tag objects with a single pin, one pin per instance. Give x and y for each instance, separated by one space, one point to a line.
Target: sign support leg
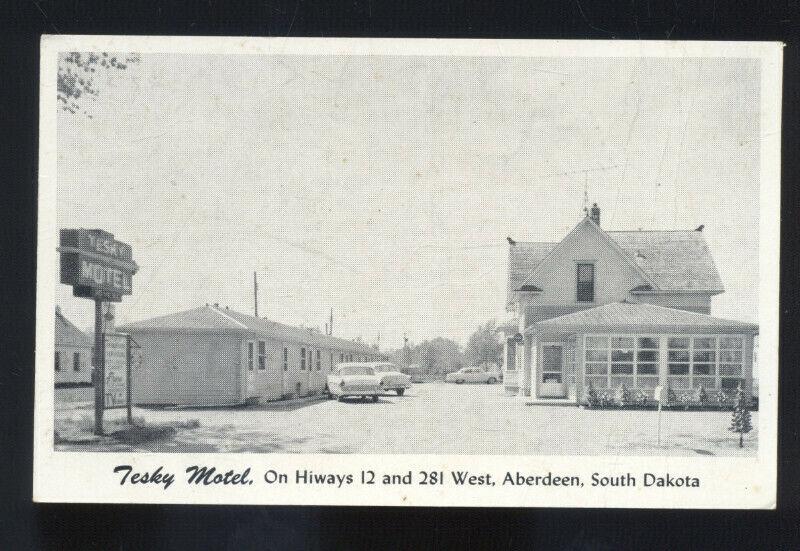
128 377
99 367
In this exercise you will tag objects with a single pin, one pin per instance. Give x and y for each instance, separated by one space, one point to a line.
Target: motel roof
213 318
67 334
640 317
675 260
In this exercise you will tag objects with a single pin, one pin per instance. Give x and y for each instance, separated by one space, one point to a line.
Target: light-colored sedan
354 379
472 375
391 377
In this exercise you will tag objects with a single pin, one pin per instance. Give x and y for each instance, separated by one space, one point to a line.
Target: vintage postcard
408 272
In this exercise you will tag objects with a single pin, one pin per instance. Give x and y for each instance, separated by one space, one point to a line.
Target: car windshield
356 370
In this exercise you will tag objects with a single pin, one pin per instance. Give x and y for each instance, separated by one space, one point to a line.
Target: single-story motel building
217 356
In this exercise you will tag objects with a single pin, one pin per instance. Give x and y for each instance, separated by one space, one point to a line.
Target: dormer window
585 282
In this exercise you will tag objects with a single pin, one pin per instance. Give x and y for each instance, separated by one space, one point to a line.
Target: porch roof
636 316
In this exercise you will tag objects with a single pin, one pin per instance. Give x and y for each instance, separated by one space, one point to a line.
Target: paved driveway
439 418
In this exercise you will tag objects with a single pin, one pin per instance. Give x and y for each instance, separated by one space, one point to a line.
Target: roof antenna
586 192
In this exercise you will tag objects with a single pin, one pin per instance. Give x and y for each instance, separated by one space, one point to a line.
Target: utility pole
255 294
330 324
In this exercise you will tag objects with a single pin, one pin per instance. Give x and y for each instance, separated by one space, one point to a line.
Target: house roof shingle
641 315
674 260
211 318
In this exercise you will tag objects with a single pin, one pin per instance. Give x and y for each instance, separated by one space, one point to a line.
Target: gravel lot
433 418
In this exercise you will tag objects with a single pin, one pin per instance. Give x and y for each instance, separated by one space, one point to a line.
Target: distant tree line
439 356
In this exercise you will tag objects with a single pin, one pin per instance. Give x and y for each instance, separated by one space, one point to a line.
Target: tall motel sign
100 268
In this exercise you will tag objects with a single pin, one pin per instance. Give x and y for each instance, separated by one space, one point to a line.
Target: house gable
615 272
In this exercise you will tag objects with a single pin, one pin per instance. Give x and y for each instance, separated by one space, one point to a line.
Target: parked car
414 371
391 377
354 379
472 375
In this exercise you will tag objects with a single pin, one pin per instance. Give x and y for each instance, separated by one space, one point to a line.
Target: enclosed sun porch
640 346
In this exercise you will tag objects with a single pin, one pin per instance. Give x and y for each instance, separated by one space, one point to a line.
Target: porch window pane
731 342
622 342
596 342
705 343
597 355
618 381
647 369
679 342
621 369
679 383
705 382
678 356
731 384
622 355
597 368
678 369
648 343
730 369
646 382
597 382
647 356
704 356
730 356
703 369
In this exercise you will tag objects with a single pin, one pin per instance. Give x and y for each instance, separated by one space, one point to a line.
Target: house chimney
594 214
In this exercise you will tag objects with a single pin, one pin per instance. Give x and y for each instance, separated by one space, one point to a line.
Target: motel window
310 360
58 361
302 359
250 356
630 360
585 282
285 359
330 367
262 355
341 358
76 361
319 361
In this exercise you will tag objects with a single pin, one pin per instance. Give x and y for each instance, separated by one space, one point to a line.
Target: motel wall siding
188 368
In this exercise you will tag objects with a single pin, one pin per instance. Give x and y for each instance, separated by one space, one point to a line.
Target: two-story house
611 308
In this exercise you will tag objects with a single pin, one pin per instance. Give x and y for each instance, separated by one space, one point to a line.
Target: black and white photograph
530 254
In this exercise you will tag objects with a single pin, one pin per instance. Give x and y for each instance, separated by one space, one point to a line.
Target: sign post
128 360
99 268
659 395
98 373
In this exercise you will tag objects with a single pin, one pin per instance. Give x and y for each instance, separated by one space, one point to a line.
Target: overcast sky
384 187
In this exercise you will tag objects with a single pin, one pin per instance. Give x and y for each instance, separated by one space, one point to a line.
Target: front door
551 376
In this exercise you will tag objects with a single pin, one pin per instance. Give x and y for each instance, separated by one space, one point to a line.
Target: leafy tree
484 346
741 421
76 73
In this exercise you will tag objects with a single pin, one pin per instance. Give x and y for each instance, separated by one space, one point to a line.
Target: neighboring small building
611 308
214 356
73 353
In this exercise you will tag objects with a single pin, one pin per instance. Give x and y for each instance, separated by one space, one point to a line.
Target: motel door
552 382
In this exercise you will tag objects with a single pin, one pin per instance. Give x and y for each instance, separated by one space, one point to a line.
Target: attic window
585 282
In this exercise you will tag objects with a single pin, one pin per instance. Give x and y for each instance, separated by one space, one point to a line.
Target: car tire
340 398
491 381
400 391
460 382
375 398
